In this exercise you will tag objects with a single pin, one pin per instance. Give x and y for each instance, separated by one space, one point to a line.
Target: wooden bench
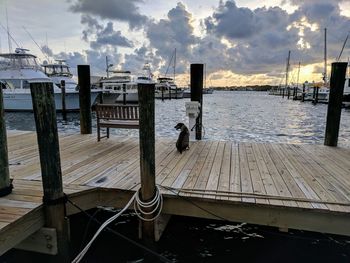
116 116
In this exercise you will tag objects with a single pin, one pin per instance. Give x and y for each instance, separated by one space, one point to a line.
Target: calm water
235 115
240 116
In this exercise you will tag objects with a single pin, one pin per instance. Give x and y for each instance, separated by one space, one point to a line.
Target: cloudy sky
242 42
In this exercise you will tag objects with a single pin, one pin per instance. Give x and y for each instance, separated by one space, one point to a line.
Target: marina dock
298 186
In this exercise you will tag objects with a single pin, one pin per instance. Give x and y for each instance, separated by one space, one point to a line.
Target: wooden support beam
47 136
335 103
85 99
147 153
5 183
197 94
160 224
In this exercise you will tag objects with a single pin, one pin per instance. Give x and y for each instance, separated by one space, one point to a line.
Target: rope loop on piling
142 208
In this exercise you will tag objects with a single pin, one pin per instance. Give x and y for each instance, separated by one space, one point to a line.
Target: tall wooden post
5 182
335 103
303 94
47 136
124 94
197 94
84 99
63 97
147 153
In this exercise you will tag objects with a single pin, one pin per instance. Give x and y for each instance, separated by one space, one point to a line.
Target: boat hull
14 101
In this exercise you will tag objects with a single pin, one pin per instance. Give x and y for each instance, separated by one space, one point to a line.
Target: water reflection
239 116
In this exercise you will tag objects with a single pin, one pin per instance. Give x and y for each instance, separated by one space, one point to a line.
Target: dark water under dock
240 116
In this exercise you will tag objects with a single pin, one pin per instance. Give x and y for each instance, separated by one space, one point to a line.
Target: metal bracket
43 241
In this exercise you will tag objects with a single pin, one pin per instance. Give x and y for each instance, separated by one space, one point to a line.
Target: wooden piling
147 154
84 99
288 92
47 137
335 103
197 94
63 97
5 182
124 94
303 94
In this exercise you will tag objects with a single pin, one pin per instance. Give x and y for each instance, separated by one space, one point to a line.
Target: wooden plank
205 171
214 176
246 180
14 233
224 177
292 185
266 177
312 178
299 176
196 170
258 185
278 180
235 173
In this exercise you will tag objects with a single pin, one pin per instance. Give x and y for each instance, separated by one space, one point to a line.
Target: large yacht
17 70
60 71
119 87
167 89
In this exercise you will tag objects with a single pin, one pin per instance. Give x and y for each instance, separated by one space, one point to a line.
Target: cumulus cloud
234 39
121 10
108 36
176 31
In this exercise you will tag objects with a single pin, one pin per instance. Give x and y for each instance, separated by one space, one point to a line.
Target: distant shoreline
245 88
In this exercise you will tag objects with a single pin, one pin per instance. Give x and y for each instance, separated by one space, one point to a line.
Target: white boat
119 87
323 93
166 88
346 93
60 71
17 70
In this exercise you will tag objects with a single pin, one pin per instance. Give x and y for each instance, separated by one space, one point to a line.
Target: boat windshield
18 61
57 70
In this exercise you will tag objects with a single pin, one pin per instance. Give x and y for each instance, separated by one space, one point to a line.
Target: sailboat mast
174 63
325 57
8 32
287 69
298 75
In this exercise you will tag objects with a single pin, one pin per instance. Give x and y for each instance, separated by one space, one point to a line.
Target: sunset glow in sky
242 42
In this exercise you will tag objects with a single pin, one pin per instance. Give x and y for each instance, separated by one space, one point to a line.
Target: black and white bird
182 143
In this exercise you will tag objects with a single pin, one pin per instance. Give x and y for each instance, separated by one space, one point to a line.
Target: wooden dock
284 185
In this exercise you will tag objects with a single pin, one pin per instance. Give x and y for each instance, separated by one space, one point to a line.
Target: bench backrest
117 112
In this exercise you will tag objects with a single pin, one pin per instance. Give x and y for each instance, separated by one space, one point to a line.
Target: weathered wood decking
284 185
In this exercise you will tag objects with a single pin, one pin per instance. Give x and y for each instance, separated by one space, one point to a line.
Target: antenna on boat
174 63
287 69
8 31
325 57
342 49
42 51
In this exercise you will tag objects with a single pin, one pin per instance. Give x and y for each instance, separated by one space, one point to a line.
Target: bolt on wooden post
335 103
47 136
5 182
197 94
147 153
85 99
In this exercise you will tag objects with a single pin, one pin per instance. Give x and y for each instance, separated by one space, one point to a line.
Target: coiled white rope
139 207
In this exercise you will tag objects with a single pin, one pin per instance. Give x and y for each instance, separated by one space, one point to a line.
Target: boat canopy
18 60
